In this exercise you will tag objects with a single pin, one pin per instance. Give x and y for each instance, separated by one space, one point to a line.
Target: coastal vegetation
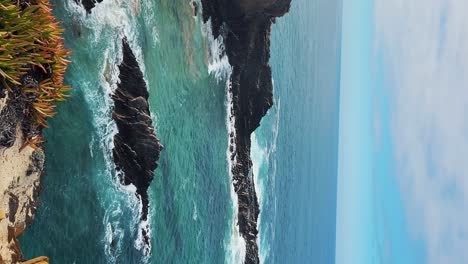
33 61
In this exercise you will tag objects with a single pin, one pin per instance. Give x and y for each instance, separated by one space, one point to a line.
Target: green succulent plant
31 40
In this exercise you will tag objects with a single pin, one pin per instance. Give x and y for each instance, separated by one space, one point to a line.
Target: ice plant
31 45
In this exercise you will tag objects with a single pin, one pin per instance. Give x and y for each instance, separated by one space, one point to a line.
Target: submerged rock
136 148
245 27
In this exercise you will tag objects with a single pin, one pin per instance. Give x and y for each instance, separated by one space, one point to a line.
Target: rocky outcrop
88 4
136 148
245 28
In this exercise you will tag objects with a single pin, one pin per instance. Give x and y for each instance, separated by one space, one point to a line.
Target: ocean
86 216
298 217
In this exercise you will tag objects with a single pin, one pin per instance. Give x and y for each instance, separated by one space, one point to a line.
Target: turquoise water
87 217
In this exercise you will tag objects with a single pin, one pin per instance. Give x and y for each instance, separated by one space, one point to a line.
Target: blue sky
403 170
372 222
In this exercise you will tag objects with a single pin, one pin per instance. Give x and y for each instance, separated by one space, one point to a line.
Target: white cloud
425 46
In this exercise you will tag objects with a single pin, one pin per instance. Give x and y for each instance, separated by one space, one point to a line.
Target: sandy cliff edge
20 174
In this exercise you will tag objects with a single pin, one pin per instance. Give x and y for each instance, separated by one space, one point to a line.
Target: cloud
425 47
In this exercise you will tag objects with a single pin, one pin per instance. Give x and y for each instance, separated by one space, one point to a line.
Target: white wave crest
264 170
195 212
218 62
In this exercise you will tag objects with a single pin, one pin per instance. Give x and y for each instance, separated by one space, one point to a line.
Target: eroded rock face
245 27
137 149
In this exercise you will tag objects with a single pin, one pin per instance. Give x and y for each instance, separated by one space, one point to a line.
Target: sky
403 170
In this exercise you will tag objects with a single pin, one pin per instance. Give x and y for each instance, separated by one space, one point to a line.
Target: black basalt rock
88 4
245 27
136 148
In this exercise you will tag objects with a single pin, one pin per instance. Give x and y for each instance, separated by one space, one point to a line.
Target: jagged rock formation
137 149
245 27
88 4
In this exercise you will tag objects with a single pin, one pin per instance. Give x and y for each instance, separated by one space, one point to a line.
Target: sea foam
264 169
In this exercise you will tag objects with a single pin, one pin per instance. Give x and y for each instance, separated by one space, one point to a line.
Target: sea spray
218 62
259 164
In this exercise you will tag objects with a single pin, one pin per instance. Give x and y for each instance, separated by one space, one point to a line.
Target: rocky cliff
31 83
136 148
245 27
20 172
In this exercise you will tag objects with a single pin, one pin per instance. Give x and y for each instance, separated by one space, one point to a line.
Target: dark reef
136 148
88 4
245 27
